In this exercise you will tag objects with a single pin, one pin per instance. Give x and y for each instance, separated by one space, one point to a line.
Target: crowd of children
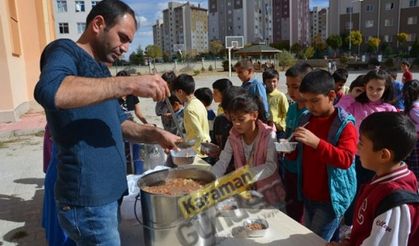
356 144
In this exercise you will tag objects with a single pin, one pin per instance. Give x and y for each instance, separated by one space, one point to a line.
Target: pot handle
137 198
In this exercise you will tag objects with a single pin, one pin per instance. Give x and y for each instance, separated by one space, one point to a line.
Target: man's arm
148 134
80 91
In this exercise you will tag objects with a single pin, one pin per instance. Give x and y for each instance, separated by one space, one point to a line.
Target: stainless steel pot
163 222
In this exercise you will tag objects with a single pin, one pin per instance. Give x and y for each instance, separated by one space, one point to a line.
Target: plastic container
285 146
183 156
251 227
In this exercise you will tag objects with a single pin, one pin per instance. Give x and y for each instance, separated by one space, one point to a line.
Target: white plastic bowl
253 232
285 146
183 156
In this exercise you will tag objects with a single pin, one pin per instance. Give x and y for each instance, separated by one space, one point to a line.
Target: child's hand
306 137
344 242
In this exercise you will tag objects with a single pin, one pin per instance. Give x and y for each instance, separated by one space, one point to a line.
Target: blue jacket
342 182
257 88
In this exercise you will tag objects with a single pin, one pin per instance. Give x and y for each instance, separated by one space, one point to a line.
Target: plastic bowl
250 224
183 156
285 146
209 148
228 207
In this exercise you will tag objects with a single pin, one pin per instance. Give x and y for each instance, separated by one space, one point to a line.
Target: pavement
21 192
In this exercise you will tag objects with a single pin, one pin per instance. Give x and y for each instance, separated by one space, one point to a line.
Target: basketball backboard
234 42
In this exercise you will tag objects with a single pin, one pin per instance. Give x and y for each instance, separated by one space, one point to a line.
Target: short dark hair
204 95
299 70
393 74
169 77
390 130
380 74
410 94
229 94
173 99
405 63
244 64
110 10
270 74
340 75
358 82
222 85
317 82
184 82
122 73
242 102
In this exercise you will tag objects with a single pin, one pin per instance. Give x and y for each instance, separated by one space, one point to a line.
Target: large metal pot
163 222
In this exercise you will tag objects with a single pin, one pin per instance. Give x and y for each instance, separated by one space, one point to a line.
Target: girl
251 142
411 105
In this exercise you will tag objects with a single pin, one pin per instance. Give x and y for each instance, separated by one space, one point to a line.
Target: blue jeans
90 225
320 218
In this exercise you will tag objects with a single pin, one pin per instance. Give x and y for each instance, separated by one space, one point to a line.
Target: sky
148 11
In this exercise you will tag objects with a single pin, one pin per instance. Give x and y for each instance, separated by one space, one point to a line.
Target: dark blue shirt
398 95
91 161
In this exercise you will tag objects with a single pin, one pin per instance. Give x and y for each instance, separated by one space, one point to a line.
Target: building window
411 37
81 26
413 3
389 6
388 38
349 10
370 8
369 23
63 27
94 3
412 20
80 6
62 6
388 22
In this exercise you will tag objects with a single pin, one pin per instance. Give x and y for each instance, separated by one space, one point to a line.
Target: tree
401 39
374 43
137 58
286 59
153 51
335 42
318 43
215 48
308 52
356 39
296 48
414 52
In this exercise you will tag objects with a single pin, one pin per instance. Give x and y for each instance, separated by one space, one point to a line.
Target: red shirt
315 161
407 76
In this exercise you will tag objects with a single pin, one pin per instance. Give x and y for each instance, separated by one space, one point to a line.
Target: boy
398 100
328 147
387 209
278 103
161 108
340 76
195 115
178 110
205 96
294 75
246 74
407 75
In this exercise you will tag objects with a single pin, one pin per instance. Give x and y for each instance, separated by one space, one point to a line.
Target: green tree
308 52
356 39
153 51
318 43
334 42
286 59
414 52
374 43
296 48
215 48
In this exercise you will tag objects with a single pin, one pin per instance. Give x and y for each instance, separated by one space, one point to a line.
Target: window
349 10
14 28
413 3
369 23
389 6
63 27
81 26
62 6
80 6
411 37
388 22
388 38
94 3
370 8
413 20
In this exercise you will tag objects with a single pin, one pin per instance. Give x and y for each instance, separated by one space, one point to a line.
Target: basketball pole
229 62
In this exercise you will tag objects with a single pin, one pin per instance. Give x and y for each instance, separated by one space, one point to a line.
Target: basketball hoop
233 42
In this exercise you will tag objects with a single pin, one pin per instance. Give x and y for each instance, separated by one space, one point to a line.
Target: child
387 208
357 86
411 102
178 110
195 114
161 107
294 206
328 150
218 88
407 75
340 76
246 74
398 101
251 142
278 103
205 96
222 125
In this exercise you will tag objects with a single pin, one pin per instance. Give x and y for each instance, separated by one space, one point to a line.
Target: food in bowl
228 207
255 227
175 186
285 146
183 156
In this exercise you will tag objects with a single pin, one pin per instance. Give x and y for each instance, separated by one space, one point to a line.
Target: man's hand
152 86
167 140
306 137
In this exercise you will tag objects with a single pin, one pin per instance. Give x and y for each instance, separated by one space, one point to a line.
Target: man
87 123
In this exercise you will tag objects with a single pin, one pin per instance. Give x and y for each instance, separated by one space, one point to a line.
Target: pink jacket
361 110
271 187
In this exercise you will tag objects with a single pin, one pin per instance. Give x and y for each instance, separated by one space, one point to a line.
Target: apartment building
70 17
251 19
184 28
375 18
26 28
319 23
291 21
158 34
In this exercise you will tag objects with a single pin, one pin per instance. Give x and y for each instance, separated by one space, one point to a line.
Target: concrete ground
21 192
